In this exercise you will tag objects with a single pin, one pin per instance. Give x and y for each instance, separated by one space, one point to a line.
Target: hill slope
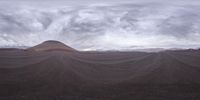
51 45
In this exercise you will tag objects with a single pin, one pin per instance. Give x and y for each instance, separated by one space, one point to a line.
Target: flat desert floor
64 75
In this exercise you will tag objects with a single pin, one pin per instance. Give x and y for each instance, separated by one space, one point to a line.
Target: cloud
103 27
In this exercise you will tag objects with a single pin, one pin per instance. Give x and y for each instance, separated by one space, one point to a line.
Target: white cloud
105 27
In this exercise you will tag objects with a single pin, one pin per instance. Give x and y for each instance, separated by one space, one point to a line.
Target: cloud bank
103 27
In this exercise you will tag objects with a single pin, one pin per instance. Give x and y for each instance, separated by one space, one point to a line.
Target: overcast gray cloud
102 26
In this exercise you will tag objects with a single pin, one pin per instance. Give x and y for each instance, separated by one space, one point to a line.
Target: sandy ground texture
52 71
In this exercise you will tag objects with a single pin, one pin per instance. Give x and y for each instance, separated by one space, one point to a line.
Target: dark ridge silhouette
9 49
51 45
166 75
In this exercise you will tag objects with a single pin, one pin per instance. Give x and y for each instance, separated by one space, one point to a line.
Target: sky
101 25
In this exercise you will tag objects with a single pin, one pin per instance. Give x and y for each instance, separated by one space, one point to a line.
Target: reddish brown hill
52 45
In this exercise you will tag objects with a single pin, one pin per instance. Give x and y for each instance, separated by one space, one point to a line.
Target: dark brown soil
63 75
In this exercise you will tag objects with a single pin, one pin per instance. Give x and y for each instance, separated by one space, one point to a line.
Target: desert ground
54 71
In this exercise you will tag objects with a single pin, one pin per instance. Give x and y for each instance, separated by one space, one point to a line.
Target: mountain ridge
51 45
